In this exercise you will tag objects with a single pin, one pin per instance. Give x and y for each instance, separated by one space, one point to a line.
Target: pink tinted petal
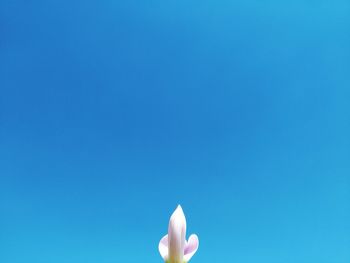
177 235
163 247
191 247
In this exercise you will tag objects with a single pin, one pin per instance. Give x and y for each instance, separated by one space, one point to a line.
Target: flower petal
163 247
191 247
177 235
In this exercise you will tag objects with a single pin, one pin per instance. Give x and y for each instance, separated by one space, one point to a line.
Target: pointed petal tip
179 210
178 207
178 215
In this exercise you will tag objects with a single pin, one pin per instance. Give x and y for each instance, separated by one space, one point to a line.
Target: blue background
113 112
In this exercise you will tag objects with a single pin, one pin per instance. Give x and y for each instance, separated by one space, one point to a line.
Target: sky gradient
112 113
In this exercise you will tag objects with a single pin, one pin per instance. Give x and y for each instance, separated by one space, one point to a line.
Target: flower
173 247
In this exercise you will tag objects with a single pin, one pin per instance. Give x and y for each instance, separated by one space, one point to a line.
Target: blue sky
112 113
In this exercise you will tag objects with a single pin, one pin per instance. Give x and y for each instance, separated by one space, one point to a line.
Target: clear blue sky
113 112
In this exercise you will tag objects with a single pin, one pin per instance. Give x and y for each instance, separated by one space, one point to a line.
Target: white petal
177 236
163 247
